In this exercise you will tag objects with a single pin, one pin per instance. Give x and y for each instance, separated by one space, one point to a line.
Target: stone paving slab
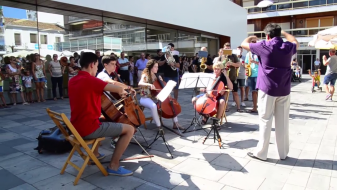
311 162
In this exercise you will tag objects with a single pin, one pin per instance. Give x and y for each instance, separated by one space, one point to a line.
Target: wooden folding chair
77 141
226 103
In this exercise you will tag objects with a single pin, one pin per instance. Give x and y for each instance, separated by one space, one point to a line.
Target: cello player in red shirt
85 92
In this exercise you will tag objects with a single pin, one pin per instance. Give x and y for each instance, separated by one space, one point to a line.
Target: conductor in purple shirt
273 84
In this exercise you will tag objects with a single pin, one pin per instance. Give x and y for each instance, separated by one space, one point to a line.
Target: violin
207 104
170 106
132 110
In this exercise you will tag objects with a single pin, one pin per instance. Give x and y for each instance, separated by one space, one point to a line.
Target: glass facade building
54 27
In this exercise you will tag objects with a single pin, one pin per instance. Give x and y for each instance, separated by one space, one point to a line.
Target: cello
170 107
207 104
133 111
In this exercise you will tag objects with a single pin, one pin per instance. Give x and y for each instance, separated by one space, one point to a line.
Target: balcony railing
89 43
291 5
298 32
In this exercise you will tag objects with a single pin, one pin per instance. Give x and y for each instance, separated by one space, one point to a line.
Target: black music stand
165 92
195 80
216 135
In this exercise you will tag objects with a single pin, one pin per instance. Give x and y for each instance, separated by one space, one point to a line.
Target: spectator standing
56 73
241 75
124 68
253 62
15 85
39 75
140 65
317 64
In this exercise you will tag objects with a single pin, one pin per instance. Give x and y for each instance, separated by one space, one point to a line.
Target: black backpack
52 140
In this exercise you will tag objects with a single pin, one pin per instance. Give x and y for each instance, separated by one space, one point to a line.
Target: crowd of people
266 70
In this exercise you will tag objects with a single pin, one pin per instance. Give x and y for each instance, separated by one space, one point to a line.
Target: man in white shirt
317 64
124 68
331 73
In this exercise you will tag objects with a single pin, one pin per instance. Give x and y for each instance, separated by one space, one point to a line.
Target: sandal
239 110
204 119
246 99
251 111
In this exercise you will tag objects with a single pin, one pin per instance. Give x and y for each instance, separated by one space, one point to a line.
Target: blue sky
14 13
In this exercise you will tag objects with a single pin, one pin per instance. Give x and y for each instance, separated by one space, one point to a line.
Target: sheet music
165 92
189 80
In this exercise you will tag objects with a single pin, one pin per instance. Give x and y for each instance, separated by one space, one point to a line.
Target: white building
303 19
45 17
23 35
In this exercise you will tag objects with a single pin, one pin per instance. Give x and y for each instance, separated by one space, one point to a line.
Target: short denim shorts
330 78
43 79
252 83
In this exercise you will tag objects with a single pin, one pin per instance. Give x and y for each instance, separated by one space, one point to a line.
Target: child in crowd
316 79
298 71
2 78
27 83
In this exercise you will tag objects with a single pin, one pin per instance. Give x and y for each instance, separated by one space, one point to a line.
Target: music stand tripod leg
143 137
159 134
215 133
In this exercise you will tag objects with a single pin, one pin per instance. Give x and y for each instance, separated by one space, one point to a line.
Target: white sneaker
233 104
243 104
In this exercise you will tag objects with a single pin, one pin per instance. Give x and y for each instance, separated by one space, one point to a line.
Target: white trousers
139 74
269 107
131 78
148 103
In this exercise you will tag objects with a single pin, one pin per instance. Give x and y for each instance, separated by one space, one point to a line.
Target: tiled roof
33 24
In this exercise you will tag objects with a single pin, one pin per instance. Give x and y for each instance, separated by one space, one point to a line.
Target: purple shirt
274 75
141 64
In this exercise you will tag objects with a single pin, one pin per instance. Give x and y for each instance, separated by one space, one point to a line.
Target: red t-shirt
85 93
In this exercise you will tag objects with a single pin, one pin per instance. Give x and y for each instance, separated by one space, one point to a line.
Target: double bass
170 107
207 104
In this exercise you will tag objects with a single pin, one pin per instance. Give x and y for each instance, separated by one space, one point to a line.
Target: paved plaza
311 162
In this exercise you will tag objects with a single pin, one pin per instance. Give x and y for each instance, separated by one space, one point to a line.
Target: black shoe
252 156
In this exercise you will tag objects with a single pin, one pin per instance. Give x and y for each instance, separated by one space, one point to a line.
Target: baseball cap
170 44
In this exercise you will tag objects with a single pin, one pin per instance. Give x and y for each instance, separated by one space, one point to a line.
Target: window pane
33 38
17 39
300 5
317 2
326 22
43 39
57 39
311 23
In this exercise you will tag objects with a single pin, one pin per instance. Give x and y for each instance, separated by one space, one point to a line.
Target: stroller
294 78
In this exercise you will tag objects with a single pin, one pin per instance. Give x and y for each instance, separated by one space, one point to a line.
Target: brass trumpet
203 66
